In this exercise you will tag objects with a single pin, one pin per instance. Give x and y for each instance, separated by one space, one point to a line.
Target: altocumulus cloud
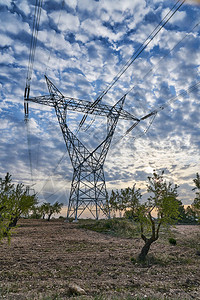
81 47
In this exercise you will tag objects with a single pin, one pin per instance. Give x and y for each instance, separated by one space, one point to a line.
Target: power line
36 22
155 111
149 39
179 42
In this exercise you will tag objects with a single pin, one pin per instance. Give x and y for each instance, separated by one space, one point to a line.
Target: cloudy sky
82 45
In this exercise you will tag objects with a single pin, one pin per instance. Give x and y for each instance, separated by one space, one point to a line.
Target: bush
172 241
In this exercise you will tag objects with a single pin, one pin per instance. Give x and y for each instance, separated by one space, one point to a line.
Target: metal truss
88 187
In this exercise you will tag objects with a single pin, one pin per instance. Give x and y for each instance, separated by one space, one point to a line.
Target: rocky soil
45 258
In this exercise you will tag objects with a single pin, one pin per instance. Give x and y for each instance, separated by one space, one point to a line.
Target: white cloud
5 40
65 21
178 17
95 27
6 2
7 57
24 6
71 3
81 65
11 22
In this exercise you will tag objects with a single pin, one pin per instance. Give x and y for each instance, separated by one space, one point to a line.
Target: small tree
20 203
44 209
196 203
163 201
5 190
190 215
14 202
52 209
133 201
113 203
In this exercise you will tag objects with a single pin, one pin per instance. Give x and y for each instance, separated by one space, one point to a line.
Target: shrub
172 241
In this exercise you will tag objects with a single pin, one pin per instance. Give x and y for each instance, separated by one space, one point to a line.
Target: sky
82 45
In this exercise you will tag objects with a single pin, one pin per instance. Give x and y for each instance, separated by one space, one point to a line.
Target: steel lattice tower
88 187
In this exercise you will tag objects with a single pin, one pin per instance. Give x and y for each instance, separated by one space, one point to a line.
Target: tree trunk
145 249
13 222
49 217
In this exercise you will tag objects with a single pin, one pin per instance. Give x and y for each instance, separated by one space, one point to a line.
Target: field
44 258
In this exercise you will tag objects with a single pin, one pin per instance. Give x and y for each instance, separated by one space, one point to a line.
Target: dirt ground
45 257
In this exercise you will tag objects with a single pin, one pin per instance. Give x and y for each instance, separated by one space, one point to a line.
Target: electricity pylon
88 187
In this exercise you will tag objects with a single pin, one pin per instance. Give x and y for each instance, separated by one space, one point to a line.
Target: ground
43 258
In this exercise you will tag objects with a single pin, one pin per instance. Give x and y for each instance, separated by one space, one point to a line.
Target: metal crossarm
81 106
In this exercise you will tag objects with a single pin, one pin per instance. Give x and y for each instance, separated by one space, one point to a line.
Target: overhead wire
136 54
155 111
35 28
179 42
152 69
36 21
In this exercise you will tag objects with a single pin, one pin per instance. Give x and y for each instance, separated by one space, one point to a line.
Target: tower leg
88 193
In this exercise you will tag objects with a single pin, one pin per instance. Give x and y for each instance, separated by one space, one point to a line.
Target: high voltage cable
155 111
135 55
179 42
36 21
29 149
148 127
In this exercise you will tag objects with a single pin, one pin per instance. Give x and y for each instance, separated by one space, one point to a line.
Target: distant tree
182 217
106 208
44 209
52 209
35 212
133 197
190 215
113 203
124 201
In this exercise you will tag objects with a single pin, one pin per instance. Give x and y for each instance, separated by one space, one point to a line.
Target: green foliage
162 201
196 203
172 241
14 202
50 209
126 201
116 227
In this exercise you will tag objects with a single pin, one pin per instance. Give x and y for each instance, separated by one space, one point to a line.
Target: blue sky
81 47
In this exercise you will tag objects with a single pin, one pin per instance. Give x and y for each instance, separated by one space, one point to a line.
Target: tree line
16 202
161 208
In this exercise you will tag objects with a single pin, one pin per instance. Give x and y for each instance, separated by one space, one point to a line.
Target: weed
172 241
116 227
